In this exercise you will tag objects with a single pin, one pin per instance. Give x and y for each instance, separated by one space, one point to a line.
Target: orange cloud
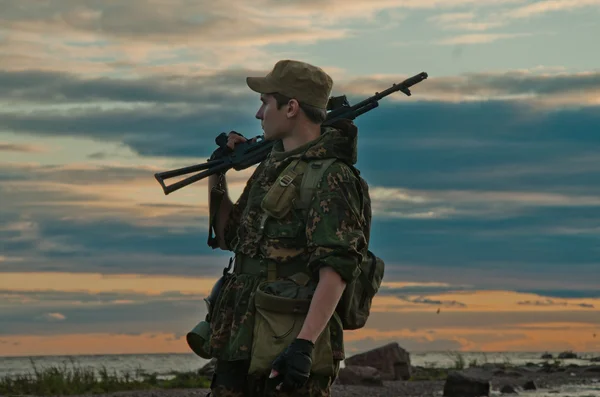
74 344
95 283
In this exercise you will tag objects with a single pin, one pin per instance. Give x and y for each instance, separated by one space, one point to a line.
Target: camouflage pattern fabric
230 380
335 235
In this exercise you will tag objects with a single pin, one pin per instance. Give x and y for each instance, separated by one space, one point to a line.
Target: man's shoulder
339 172
343 171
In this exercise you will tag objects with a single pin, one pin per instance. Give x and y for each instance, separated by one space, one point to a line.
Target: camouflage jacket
334 234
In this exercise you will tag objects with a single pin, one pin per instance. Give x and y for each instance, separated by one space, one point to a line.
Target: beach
561 384
571 377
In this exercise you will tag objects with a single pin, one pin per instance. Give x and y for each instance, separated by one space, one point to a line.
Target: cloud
550 302
535 89
482 185
420 289
546 6
434 302
479 38
228 87
564 293
489 183
487 18
54 317
145 37
150 129
10 147
383 321
411 344
95 37
463 21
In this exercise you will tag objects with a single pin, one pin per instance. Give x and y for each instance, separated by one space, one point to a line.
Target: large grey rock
467 384
364 376
392 361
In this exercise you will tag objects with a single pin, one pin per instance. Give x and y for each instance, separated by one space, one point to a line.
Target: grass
64 380
431 372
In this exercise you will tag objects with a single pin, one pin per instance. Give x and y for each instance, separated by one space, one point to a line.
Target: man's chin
268 137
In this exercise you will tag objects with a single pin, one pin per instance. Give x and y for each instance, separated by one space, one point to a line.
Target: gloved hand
292 367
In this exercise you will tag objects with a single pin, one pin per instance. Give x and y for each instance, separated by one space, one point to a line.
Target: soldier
303 255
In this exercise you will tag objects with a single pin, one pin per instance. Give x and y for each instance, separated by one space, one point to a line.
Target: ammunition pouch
280 198
280 310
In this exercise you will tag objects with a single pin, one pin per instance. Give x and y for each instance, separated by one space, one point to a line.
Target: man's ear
293 108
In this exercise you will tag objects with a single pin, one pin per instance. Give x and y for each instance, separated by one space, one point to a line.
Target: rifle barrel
258 151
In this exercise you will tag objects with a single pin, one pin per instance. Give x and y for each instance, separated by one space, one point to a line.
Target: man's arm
336 233
229 212
327 295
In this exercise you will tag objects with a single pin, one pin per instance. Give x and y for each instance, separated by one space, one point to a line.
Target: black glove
294 364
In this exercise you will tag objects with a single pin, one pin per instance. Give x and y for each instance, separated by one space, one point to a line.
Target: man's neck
301 136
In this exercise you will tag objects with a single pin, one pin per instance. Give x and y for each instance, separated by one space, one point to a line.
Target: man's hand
292 367
233 138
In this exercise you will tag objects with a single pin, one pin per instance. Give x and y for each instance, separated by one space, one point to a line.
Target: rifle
254 151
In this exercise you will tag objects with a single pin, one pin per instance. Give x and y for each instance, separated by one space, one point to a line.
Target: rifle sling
216 196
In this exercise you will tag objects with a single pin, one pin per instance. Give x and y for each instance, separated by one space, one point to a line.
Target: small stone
508 389
467 384
529 385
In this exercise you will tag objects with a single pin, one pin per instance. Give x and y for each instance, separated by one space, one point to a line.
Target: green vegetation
79 380
430 371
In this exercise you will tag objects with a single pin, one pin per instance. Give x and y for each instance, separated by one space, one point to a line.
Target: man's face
275 122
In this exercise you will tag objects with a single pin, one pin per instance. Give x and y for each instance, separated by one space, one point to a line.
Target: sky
485 182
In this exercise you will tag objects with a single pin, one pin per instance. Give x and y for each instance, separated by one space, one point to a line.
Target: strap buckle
286 180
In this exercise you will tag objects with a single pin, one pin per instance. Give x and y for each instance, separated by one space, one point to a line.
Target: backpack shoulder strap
313 174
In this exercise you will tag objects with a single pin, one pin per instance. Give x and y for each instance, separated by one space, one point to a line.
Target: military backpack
355 304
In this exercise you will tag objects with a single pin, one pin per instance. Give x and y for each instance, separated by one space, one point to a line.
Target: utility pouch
280 310
279 200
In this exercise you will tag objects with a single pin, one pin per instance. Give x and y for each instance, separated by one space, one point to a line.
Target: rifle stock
251 152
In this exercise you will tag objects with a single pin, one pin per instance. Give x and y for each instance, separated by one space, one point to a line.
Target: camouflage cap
306 83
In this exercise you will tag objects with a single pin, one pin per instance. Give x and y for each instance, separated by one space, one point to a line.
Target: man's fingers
233 140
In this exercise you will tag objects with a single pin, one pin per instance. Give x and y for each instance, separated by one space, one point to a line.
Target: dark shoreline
547 378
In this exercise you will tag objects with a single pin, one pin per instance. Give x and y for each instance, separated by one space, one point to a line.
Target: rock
546 356
567 354
493 366
508 389
529 385
467 384
595 359
514 374
363 376
209 369
392 361
592 368
528 369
